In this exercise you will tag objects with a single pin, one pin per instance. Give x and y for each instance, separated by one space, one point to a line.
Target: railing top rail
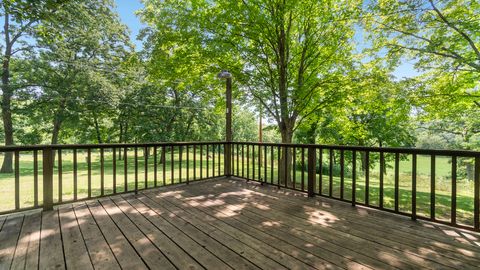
401 150
99 146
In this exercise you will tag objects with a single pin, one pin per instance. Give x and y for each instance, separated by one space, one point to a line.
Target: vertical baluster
414 186
354 177
102 173
172 165
75 179
219 146
35 178
208 161
382 172
271 164
125 169
180 163
278 162
164 165
248 162
342 173
188 165
320 174
238 160
60 173
285 169
476 211
367 178
259 163
432 187
454 191
17 180
136 169
201 161
155 166
145 159
265 163
89 171
397 180
311 170
330 171
213 160
253 162
114 168
194 162
303 168
243 161
294 161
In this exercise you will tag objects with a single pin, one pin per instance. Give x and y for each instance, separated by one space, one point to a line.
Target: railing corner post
311 171
228 159
47 162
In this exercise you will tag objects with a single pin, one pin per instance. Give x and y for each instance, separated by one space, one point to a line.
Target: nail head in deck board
98 249
28 246
8 239
146 250
51 248
76 254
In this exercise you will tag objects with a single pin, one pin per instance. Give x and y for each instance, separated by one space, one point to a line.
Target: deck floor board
222 224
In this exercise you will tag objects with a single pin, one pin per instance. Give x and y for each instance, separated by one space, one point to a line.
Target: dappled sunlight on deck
228 224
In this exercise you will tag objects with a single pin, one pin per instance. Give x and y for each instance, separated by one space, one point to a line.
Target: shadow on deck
223 224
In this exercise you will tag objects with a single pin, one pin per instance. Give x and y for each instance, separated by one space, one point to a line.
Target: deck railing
437 185
44 176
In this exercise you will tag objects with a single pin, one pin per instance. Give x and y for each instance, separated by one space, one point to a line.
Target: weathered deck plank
76 254
296 212
51 247
28 246
161 239
8 240
149 253
98 249
222 224
231 258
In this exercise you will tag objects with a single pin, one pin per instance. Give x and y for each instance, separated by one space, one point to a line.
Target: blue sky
127 8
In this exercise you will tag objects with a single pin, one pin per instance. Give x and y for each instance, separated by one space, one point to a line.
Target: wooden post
311 172
47 179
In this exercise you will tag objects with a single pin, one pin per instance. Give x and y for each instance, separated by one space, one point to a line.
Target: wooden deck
228 224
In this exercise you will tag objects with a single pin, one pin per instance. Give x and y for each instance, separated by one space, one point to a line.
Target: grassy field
465 188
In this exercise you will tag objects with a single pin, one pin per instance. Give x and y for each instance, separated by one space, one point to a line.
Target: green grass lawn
465 187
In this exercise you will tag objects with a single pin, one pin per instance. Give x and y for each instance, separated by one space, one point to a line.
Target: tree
286 54
20 19
442 36
82 50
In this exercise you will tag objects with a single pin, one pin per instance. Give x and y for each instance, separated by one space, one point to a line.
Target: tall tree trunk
7 166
